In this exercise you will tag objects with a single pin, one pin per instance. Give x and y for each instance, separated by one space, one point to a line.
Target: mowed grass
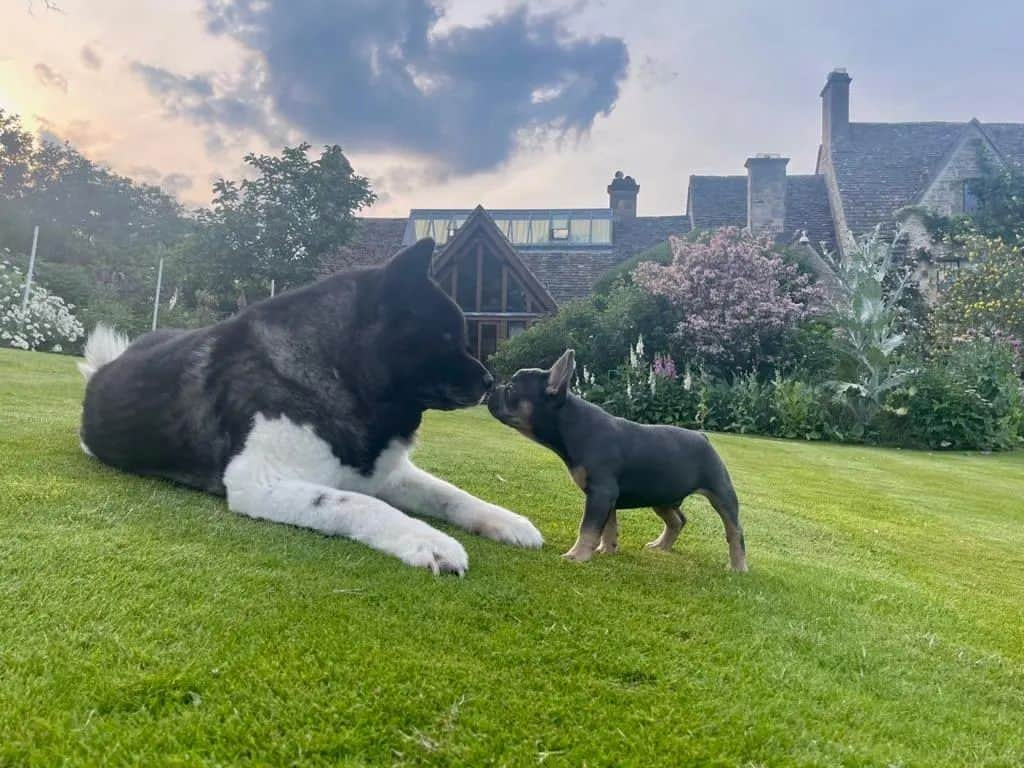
882 622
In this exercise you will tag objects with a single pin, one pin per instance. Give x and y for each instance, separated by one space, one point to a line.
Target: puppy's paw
429 548
509 528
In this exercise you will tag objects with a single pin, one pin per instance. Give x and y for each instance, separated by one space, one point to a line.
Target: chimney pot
622 194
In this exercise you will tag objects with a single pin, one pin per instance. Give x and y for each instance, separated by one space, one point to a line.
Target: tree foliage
102 234
987 296
280 223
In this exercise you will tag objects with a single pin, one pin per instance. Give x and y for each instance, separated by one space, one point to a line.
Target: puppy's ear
411 266
560 375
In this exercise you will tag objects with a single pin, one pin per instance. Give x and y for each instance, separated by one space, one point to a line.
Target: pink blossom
736 292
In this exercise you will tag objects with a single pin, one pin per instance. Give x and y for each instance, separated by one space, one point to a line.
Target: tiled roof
1009 140
572 274
569 274
882 167
807 210
717 201
376 240
721 201
633 235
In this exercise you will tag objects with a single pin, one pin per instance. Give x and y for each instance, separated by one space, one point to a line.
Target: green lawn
882 622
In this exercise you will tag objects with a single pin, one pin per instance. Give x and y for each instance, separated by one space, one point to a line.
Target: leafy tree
279 224
735 296
987 296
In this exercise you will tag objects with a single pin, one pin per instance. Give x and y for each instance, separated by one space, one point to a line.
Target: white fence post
31 269
156 297
272 287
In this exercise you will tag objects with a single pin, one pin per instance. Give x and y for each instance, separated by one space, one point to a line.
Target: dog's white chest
279 448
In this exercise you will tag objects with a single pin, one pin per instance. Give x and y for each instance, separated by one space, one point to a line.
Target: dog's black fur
618 464
359 356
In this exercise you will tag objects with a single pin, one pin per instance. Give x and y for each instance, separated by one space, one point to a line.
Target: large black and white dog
302 408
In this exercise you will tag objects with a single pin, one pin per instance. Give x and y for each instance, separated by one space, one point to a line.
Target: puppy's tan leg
599 509
583 549
609 536
674 522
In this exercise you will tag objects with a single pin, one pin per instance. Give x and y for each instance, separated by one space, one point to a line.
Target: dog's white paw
509 528
429 548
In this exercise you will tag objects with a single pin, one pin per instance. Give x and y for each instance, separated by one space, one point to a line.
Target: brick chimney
622 193
766 193
835 107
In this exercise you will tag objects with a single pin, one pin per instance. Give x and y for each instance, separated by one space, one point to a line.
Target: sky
450 104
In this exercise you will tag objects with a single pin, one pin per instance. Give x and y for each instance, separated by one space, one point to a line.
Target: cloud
90 58
176 183
83 135
391 77
49 78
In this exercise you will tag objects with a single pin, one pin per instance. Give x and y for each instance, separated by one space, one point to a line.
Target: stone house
868 175
508 267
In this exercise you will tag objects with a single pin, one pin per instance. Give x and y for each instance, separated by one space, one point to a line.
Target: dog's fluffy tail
104 345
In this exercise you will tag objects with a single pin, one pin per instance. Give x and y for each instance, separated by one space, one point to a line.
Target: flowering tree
47 322
737 297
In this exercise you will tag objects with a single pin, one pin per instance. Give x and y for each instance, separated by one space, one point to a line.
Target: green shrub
600 328
798 410
967 399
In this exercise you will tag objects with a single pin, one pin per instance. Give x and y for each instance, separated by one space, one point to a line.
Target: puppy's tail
104 345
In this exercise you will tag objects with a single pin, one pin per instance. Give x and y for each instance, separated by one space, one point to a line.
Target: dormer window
971 200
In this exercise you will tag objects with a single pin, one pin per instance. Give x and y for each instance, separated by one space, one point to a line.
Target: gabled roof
721 201
479 224
882 167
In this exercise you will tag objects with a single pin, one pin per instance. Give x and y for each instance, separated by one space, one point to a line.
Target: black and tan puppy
618 464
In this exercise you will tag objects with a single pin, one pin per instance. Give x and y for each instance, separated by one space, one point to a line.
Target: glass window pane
502 225
515 327
488 340
472 335
520 231
490 296
540 230
421 226
579 230
516 295
440 231
601 231
560 229
466 288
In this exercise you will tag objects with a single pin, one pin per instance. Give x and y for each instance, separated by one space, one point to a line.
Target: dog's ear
411 266
560 375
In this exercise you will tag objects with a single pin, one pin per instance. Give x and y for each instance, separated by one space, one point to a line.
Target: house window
516 296
516 327
559 229
465 282
971 200
490 289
